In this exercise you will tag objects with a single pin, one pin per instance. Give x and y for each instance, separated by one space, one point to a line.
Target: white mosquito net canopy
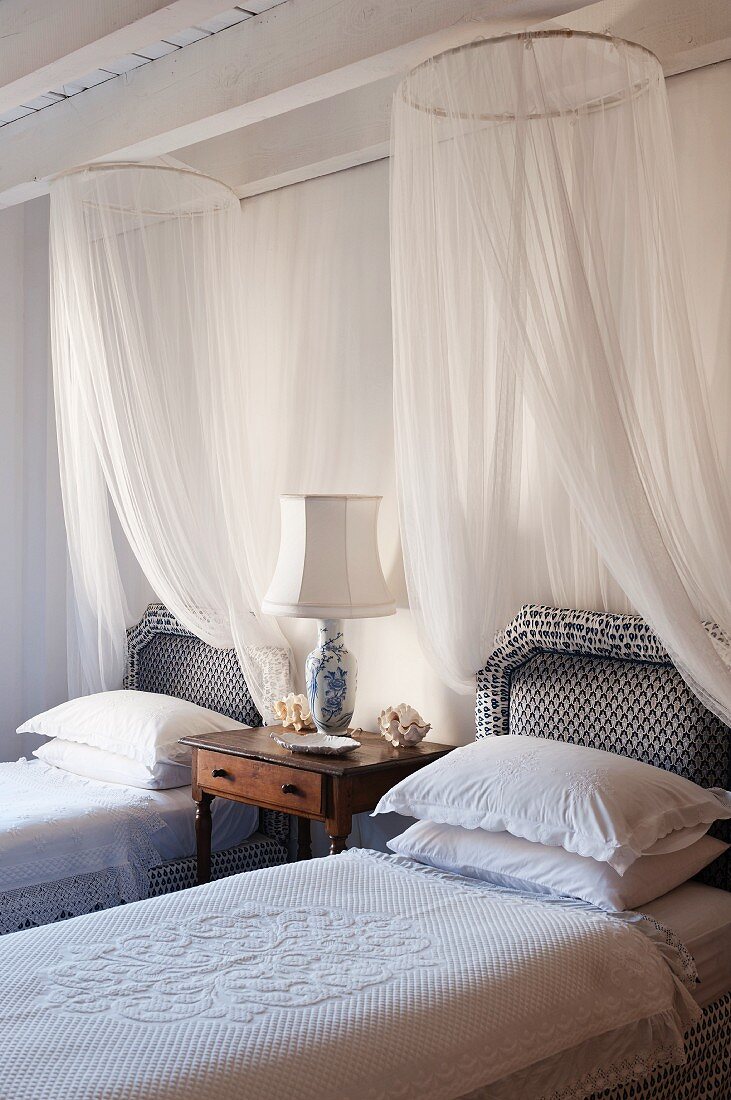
152 397
553 437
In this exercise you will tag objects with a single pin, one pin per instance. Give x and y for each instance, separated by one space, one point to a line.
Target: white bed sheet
700 916
366 977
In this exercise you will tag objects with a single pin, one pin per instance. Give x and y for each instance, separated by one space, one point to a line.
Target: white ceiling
296 92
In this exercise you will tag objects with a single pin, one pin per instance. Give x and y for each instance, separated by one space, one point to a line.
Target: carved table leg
203 837
339 820
337 844
304 838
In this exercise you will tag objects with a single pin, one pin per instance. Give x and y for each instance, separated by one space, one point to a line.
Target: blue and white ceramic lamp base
331 675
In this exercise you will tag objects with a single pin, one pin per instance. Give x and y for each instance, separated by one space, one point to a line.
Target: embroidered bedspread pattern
362 977
54 825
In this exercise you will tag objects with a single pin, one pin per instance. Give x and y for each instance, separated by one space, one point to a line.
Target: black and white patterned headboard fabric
604 681
164 656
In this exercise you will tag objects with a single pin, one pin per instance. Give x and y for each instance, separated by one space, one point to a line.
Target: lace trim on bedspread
635 1068
38 796
49 902
624 1071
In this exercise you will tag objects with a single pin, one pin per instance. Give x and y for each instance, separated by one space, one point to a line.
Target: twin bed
70 845
374 976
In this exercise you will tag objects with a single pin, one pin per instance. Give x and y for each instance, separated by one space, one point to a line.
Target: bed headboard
604 681
164 656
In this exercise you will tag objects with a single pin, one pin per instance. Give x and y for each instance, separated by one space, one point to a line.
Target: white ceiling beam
684 35
339 132
296 53
353 128
47 43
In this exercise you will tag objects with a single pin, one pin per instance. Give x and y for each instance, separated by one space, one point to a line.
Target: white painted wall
346 268
32 537
11 466
319 311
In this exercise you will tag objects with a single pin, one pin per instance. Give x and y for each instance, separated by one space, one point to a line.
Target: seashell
402 725
294 713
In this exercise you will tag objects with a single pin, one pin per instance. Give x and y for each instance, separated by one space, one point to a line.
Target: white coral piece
402 725
294 713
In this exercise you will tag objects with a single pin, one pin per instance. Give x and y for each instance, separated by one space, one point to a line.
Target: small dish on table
324 744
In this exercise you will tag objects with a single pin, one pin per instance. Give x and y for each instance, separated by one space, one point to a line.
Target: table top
375 753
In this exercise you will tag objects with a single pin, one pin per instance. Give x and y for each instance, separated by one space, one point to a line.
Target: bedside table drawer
271 785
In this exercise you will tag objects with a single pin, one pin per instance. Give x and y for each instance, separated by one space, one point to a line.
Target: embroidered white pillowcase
590 802
519 864
110 767
140 725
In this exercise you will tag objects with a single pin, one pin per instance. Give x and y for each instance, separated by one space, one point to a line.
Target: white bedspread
54 824
363 977
72 845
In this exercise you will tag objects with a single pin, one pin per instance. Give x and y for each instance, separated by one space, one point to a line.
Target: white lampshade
328 566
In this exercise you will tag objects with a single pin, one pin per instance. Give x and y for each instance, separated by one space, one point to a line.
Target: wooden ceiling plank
45 45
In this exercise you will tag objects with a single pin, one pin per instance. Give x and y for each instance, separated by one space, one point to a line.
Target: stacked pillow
558 818
129 737
111 767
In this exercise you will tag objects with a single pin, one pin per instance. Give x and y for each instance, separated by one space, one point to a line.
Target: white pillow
110 767
140 725
587 801
537 869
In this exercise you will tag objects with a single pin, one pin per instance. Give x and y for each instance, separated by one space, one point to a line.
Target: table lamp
329 569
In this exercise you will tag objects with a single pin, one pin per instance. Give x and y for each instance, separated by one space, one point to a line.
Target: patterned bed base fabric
278 826
604 681
707 1073
180 874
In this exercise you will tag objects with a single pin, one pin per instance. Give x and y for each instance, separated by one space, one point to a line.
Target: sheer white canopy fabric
547 375
150 381
320 352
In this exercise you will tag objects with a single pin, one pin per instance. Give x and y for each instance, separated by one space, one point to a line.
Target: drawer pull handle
219 773
289 788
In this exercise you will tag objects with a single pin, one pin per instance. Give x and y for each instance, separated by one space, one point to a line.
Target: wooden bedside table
247 766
